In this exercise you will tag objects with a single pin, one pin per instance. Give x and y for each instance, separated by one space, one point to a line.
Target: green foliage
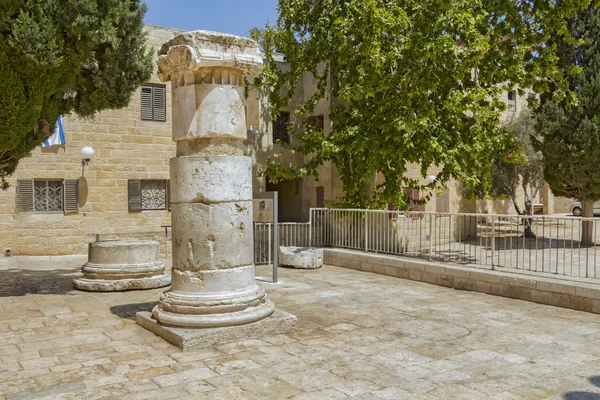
524 168
570 133
62 56
411 82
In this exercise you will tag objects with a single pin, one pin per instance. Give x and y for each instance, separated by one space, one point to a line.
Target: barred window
317 121
47 195
149 194
280 128
154 102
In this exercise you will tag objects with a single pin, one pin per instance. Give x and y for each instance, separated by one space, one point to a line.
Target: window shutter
146 104
134 194
71 203
24 195
169 194
415 196
159 103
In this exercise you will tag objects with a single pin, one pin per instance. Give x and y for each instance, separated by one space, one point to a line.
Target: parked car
577 210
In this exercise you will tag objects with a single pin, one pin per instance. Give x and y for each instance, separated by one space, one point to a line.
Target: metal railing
290 234
549 244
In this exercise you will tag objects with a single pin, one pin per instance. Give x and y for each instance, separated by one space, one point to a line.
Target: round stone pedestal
117 265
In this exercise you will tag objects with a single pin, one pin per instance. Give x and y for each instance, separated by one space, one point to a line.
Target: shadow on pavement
582 395
128 311
20 282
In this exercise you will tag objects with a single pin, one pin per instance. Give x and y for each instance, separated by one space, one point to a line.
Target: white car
577 210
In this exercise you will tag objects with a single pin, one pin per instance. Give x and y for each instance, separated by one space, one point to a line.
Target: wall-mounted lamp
86 153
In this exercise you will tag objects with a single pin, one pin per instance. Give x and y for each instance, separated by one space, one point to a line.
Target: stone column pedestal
117 265
213 273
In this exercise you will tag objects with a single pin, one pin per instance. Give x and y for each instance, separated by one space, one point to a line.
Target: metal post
275 235
493 240
366 231
310 211
430 236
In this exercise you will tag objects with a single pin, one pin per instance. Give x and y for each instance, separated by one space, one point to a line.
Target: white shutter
71 203
24 195
134 187
146 102
159 94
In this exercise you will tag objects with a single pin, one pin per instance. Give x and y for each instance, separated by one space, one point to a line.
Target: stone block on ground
194 338
300 257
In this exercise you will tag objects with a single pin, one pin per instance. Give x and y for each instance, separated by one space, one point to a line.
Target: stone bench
300 257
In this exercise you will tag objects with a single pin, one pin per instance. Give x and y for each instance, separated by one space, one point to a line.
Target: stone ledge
525 285
189 339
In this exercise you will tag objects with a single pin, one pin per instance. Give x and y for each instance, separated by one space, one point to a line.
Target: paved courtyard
360 336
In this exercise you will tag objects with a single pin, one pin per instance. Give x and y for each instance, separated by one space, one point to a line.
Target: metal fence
549 244
290 234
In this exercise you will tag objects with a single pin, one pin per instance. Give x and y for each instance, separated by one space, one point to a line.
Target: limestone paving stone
421 341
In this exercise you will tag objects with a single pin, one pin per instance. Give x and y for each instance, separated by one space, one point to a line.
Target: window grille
149 194
154 102
280 128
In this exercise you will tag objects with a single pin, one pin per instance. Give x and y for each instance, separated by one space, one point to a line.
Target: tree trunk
587 227
527 221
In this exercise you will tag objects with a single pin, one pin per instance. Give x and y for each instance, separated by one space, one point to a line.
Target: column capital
195 50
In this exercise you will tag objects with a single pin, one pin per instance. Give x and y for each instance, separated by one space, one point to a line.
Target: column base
226 315
118 285
192 338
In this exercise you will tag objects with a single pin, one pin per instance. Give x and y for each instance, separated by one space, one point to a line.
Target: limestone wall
126 148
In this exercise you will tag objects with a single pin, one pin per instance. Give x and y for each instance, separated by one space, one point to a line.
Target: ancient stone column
116 265
211 184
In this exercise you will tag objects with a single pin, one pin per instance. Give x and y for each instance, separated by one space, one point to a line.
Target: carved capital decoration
204 49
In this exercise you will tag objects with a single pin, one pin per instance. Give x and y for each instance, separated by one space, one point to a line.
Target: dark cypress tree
62 56
569 129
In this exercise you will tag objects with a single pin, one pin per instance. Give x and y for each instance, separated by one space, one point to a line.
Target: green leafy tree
62 56
526 170
570 132
410 82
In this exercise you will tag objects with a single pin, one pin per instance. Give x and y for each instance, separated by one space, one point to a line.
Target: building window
154 102
280 128
511 95
47 195
317 122
320 197
149 194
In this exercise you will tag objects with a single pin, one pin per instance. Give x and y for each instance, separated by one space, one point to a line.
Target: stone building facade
124 191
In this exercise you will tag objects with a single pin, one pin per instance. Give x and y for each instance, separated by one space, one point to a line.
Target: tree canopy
570 132
62 56
410 82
